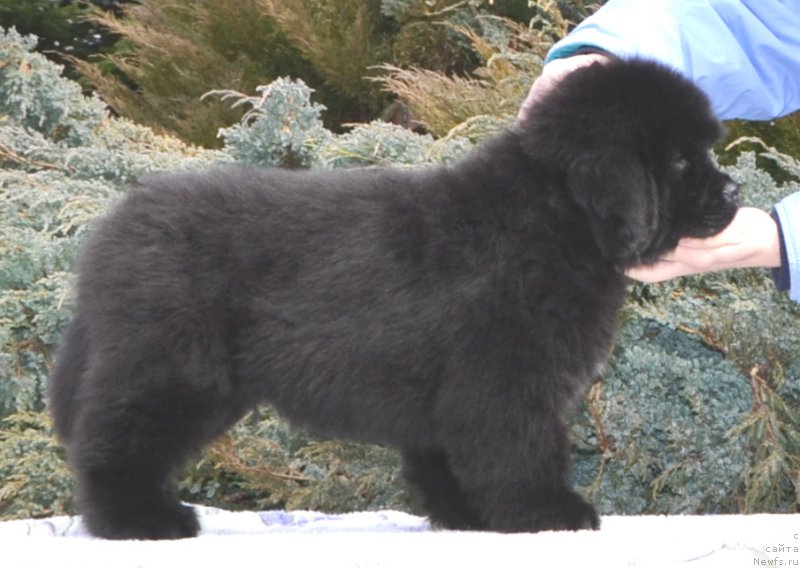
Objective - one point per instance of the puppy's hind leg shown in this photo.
(66, 377)
(130, 441)
(133, 502)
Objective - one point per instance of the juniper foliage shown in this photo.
(24, 96)
(36, 481)
(281, 128)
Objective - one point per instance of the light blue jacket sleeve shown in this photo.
(745, 54)
(788, 213)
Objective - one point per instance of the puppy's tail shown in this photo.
(66, 377)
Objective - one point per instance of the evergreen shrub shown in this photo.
(25, 96)
(36, 481)
(173, 52)
(280, 129)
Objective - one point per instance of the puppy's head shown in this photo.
(633, 139)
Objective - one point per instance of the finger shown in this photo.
(715, 242)
(659, 272)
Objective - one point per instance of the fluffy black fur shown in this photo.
(453, 312)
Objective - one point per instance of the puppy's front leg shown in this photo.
(512, 463)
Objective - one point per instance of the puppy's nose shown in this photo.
(731, 191)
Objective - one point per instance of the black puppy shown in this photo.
(454, 313)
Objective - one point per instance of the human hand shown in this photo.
(750, 240)
(552, 73)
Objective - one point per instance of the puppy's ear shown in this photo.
(620, 199)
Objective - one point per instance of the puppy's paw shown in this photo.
(457, 521)
(159, 523)
(570, 513)
(561, 511)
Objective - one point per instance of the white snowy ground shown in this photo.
(393, 539)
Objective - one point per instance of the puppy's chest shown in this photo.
(576, 323)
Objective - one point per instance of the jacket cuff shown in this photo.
(569, 50)
(781, 274)
(787, 212)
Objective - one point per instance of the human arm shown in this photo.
(742, 53)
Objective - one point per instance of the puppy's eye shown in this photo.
(680, 165)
